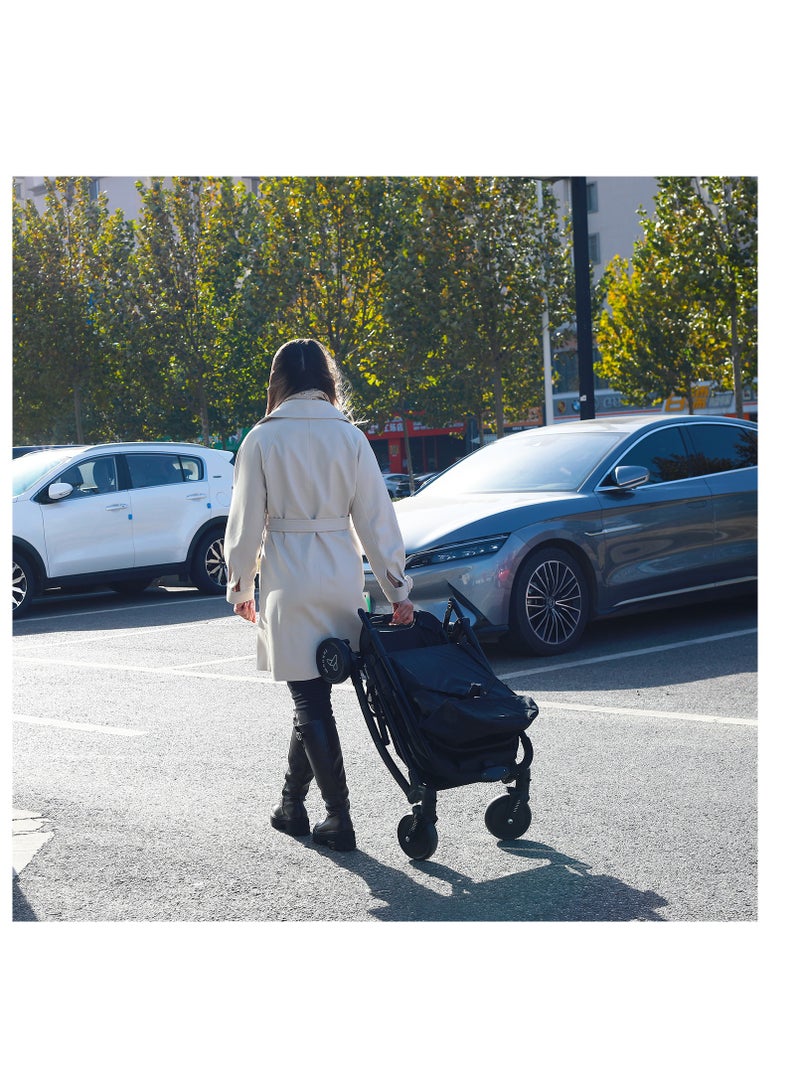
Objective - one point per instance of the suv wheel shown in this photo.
(24, 585)
(209, 571)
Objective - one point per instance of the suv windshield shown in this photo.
(532, 461)
(27, 469)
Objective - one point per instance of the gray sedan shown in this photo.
(547, 529)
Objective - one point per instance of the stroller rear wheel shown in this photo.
(333, 660)
(508, 817)
(418, 838)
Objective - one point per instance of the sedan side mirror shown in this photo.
(59, 489)
(627, 477)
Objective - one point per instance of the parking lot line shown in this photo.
(177, 601)
(644, 713)
(562, 665)
(123, 634)
(103, 729)
(181, 672)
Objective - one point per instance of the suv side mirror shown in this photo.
(59, 489)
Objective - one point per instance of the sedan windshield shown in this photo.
(530, 462)
(27, 469)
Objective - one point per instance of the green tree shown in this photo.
(728, 218)
(69, 264)
(327, 243)
(479, 259)
(685, 308)
(201, 322)
(648, 337)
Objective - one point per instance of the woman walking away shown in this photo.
(309, 497)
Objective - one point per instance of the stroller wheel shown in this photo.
(418, 840)
(507, 817)
(333, 660)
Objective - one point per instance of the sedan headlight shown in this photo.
(457, 551)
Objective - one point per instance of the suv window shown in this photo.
(663, 453)
(722, 447)
(89, 478)
(149, 470)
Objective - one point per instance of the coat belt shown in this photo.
(308, 526)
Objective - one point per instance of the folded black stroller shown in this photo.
(427, 691)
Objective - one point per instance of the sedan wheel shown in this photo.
(550, 604)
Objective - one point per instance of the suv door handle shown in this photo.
(116, 507)
(196, 496)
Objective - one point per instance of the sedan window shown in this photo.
(529, 461)
(663, 453)
(722, 447)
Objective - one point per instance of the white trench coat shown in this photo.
(309, 498)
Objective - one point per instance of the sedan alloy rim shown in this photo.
(553, 602)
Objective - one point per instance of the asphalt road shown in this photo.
(147, 752)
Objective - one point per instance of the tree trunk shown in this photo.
(497, 389)
(409, 463)
(78, 403)
(738, 396)
(204, 424)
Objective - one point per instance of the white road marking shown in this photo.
(27, 838)
(206, 662)
(109, 610)
(624, 655)
(113, 634)
(134, 668)
(654, 713)
(259, 677)
(103, 729)
(644, 713)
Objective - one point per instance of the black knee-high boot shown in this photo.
(324, 753)
(290, 815)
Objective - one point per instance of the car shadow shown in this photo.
(627, 646)
(552, 887)
(92, 610)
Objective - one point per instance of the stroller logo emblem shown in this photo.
(330, 661)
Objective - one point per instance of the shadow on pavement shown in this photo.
(555, 887)
(91, 611)
(20, 907)
(624, 637)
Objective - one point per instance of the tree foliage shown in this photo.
(429, 291)
(467, 284)
(70, 268)
(200, 308)
(685, 308)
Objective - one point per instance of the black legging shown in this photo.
(312, 700)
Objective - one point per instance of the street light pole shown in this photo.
(583, 297)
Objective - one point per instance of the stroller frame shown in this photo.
(391, 721)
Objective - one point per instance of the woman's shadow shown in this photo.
(554, 887)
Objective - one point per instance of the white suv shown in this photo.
(119, 514)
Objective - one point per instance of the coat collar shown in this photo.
(305, 409)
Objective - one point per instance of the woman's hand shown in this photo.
(402, 612)
(247, 610)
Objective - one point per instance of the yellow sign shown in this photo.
(676, 404)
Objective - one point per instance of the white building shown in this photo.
(613, 205)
